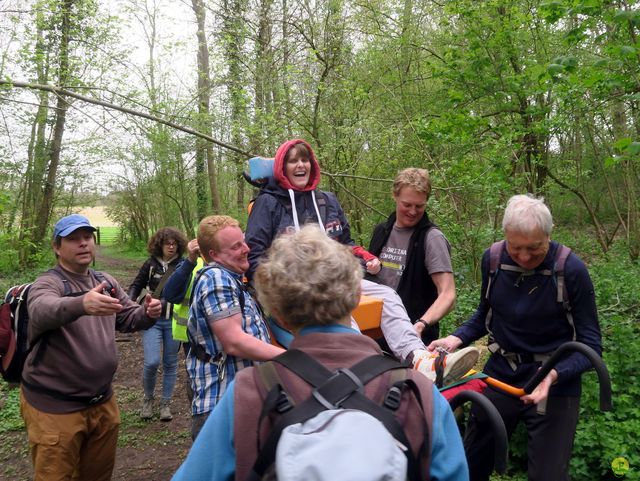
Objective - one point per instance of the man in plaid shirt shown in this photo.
(226, 330)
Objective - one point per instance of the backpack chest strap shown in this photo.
(516, 358)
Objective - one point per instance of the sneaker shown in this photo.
(165, 411)
(453, 366)
(147, 408)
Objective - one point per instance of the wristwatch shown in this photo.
(422, 321)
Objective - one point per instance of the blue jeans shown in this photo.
(156, 338)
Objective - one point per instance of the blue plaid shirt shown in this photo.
(217, 296)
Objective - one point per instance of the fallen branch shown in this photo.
(60, 91)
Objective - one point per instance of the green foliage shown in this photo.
(10, 419)
(9, 259)
(602, 437)
(11, 274)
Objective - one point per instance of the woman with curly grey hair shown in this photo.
(311, 283)
(166, 247)
(322, 280)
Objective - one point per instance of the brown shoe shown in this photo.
(165, 411)
(147, 408)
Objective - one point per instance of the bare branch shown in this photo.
(59, 91)
(357, 198)
(361, 177)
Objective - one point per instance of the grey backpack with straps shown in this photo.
(337, 433)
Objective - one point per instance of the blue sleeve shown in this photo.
(585, 318)
(475, 327)
(448, 460)
(345, 236)
(213, 456)
(177, 285)
(261, 229)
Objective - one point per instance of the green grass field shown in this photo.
(108, 235)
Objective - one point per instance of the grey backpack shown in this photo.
(337, 433)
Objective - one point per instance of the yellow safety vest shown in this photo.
(181, 311)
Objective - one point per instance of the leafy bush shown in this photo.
(602, 437)
(10, 419)
(9, 259)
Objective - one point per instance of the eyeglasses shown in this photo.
(171, 244)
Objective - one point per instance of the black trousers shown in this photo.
(549, 436)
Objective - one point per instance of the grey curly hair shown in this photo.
(308, 279)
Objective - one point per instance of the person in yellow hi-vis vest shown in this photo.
(177, 290)
(181, 311)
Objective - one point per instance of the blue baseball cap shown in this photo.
(71, 223)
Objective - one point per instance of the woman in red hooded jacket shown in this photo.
(291, 199)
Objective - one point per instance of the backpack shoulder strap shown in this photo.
(315, 373)
(163, 280)
(97, 275)
(562, 253)
(198, 350)
(321, 199)
(65, 282)
(197, 279)
(495, 252)
(342, 389)
(101, 278)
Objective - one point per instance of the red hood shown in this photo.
(278, 166)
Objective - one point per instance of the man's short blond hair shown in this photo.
(417, 179)
(309, 279)
(208, 230)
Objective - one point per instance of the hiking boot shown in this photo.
(147, 408)
(165, 411)
(451, 366)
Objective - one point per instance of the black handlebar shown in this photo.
(596, 361)
(501, 443)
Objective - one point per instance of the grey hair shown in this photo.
(526, 213)
(308, 279)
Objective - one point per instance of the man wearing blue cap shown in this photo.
(67, 400)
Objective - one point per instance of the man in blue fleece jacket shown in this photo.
(526, 323)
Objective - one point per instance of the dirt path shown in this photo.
(147, 451)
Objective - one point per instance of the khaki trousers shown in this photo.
(79, 445)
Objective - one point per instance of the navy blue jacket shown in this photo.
(526, 318)
(272, 214)
(177, 285)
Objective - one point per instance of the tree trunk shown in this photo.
(62, 105)
(236, 83)
(36, 154)
(264, 79)
(204, 150)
